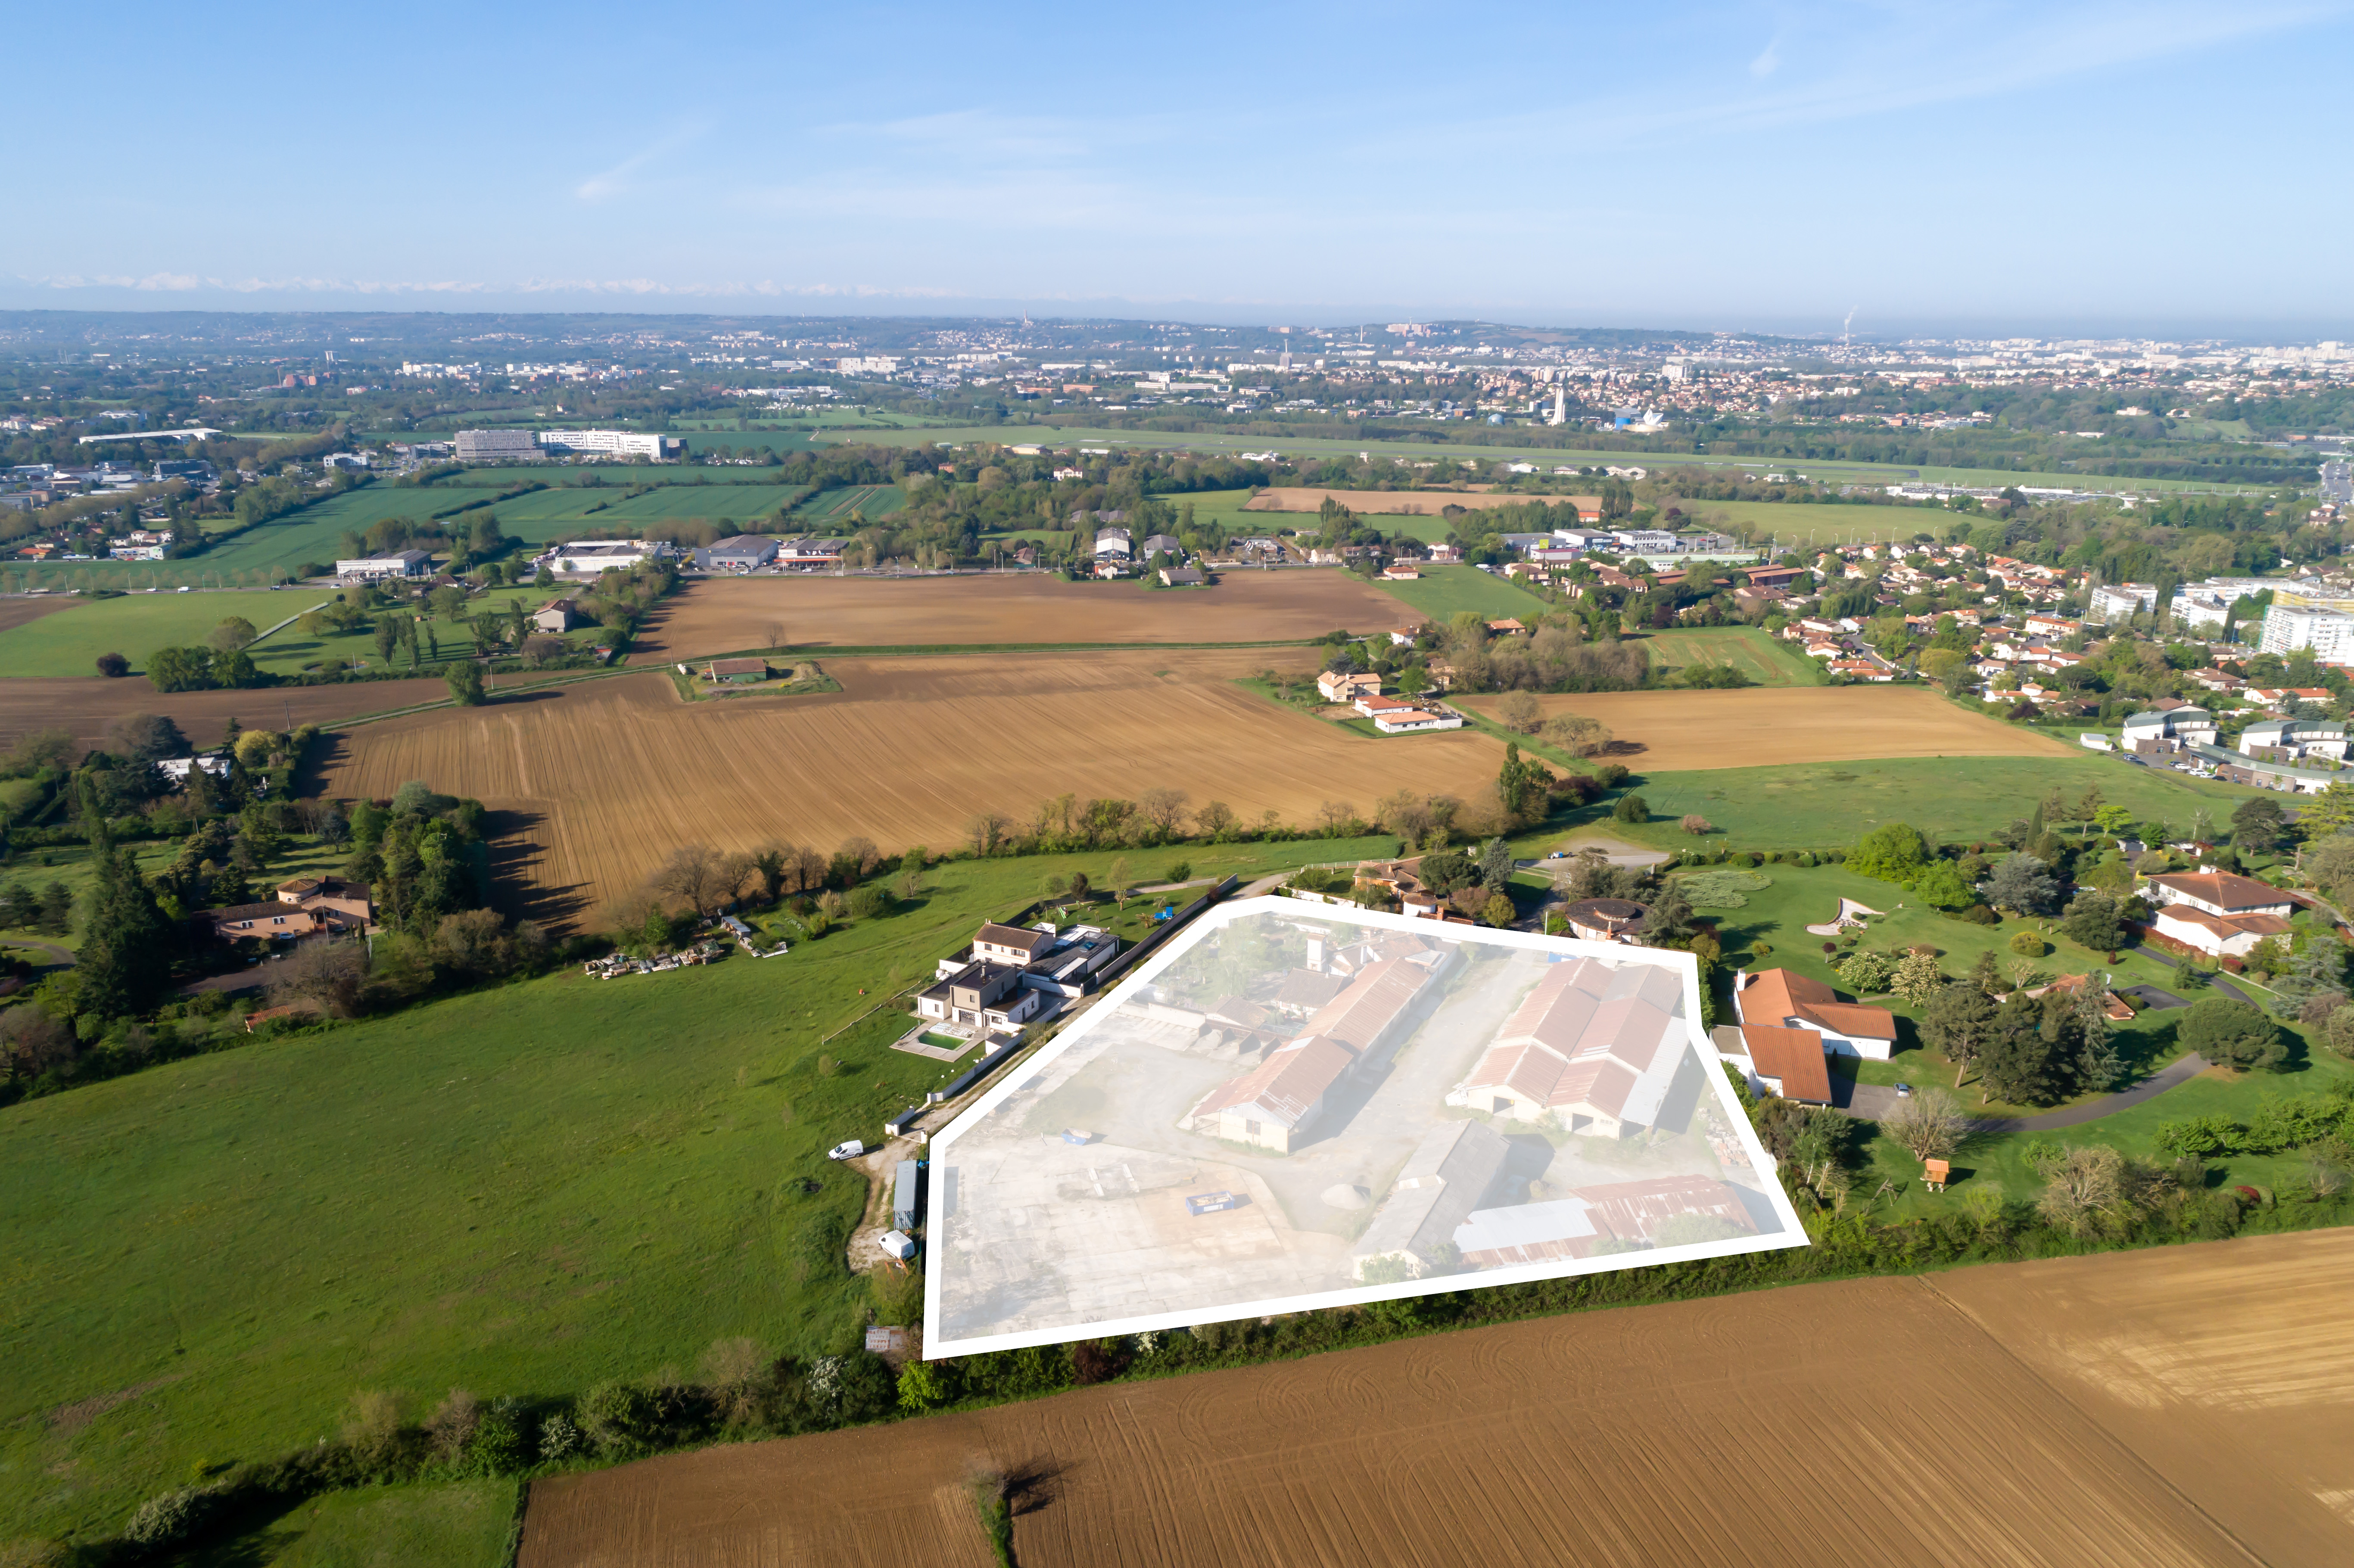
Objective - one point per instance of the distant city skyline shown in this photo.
(2085, 169)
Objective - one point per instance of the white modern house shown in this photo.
(2171, 730)
(2217, 913)
(2293, 740)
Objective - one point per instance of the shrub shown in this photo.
(113, 665)
(2028, 944)
(1611, 774)
(2232, 1034)
(1696, 825)
(1631, 809)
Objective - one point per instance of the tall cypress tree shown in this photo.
(125, 963)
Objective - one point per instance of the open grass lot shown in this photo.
(596, 782)
(1794, 524)
(1682, 731)
(1004, 609)
(1441, 592)
(1765, 660)
(1953, 797)
(2019, 1414)
(1298, 447)
(453, 1524)
(832, 508)
(291, 651)
(519, 1191)
(69, 642)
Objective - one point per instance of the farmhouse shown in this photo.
(1183, 576)
(343, 904)
(1408, 718)
(2217, 913)
(555, 615)
(1340, 686)
(381, 568)
(1450, 1173)
(1781, 999)
(1594, 1046)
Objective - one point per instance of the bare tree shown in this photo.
(693, 873)
(1336, 815)
(1929, 1126)
(452, 1426)
(2086, 1183)
(541, 647)
(737, 871)
(987, 830)
(1164, 809)
(1406, 813)
(810, 869)
(1215, 818)
(1521, 710)
(859, 854)
(32, 1041)
(1697, 824)
(327, 975)
(1578, 736)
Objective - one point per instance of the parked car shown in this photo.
(1211, 1202)
(850, 1150)
(1904, 1091)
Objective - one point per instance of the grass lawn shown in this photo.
(1794, 522)
(1765, 660)
(458, 1524)
(69, 642)
(292, 652)
(1828, 804)
(524, 1190)
(1442, 591)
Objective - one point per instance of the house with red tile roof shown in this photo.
(1790, 1063)
(2218, 913)
(1781, 999)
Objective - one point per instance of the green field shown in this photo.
(1765, 660)
(832, 508)
(1824, 804)
(1796, 524)
(522, 1191)
(1323, 447)
(1442, 591)
(69, 642)
(453, 1524)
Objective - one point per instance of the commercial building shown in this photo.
(590, 557)
(2324, 626)
(496, 446)
(381, 568)
(612, 444)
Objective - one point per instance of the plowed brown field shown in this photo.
(85, 706)
(605, 777)
(720, 615)
(1771, 726)
(1867, 1424)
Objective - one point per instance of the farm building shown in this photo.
(554, 616)
(736, 671)
(1183, 576)
(1785, 1000)
(1591, 1045)
(1572, 1227)
(1450, 1173)
(398, 564)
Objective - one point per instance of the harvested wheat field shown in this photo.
(87, 705)
(1401, 502)
(723, 615)
(1867, 1422)
(1767, 727)
(607, 777)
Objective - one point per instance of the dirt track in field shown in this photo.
(2186, 1405)
(722, 615)
(87, 705)
(599, 782)
(1400, 502)
(1773, 726)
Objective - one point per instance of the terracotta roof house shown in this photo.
(1790, 1063)
(341, 904)
(272, 922)
(1591, 1045)
(1781, 999)
(2218, 913)
(1605, 919)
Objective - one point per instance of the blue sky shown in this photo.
(2033, 168)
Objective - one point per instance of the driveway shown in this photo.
(2157, 1084)
(57, 957)
(2151, 998)
(2218, 981)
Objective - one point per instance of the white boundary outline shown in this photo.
(1217, 917)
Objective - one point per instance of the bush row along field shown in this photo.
(519, 1191)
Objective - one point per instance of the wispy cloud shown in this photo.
(1769, 60)
(613, 182)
